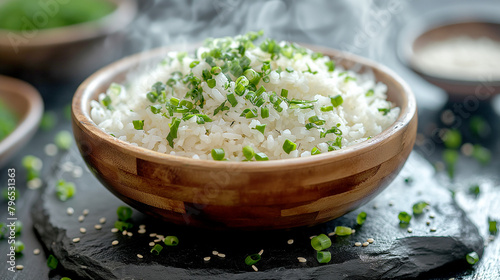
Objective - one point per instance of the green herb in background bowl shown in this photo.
(8, 120)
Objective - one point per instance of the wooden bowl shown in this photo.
(26, 103)
(66, 52)
(259, 195)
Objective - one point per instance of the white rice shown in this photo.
(358, 117)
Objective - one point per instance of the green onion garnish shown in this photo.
(248, 152)
(492, 226)
(284, 93)
(156, 109)
(321, 242)
(106, 101)
(261, 157)
(324, 256)
(289, 146)
(65, 190)
(385, 111)
(450, 157)
(326, 108)
(472, 258)
(156, 249)
(348, 79)
(32, 162)
(193, 64)
(264, 112)
(315, 151)
(138, 124)
(361, 218)
(336, 100)
(63, 140)
(52, 262)
(49, 120)
(261, 128)
(215, 70)
(404, 218)
(418, 208)
(18, 227)
(317, 120)
(343, 231)
(211, 83)
(475, 190)
(124, 213)
(452, 139)
(252, 259)
(152, 96)
(121, 226)
(252, 76)
(369, 93)
(481, 154)
(18, 246)
(232, 99)
(251, 113)
(174, 126)
(331, 65)
(260, 91)
(218, 154)
(171, 240)
(289, 69)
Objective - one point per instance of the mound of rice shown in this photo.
(281, 100)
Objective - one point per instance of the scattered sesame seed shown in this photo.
(50, 150)
(215, 253)
(365, 244)
(357, 244)
(151, 244)
(157, 240)
(115, 242)
(124, 232)
(433, 229)
(467, 149)
(114, 230)
(152, 234)
(451, 279)
(102, 220)
(159, 236)
(221, 255)
(206, 259)
(85, 212)
(428, 223)
(331, 233)
(81, 218)
(34, 184)
(261, 252)
(83, 230)
(410, 230)
(142, 226)
(370, 240)
(353, 231)
(76, 239)
(70, 211)
(301, 259)
(129, 234)
(140, 256)
(311, 237)
(36, 251)
(141, 231)
(97, 226)
(255, 268)
(290, 241)
(67, 166)
(19, 267)
(77, 172)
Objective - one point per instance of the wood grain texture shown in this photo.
(257, 195)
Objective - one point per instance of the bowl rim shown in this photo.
(81, 117)
(120, 17)
(28, 120)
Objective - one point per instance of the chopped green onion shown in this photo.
(261, 157)
(361, 218)
(65, 278)
(289, 69)
(138, 124)
(479, 127)
(252, 259)
(252, 113)
(174, 126)
(171, 240)
(156, 249)
(452, 139)
(106, 101)
(174, 101)
(336, 100)
(18, 246)
(65, 190)
(475, 190)
(63, 140)
(331, 65)
(156, 109)
(124, 213)
(181, 56)
(326, 108)
(49, 120)
(315, 151)
(385, 111)
(369, 93)
(194, 63)
(317, 120)
(158, 87)
(248, 152)
(152, 97)
(215, 70)
(481, 154)
(404, 218)
(450, 157)
(260, 91)
(222, 107)
(187, 104)
(264, 112)
(343, 231)
(32, 162)
(418, 208)
(289, 146)
(492, 226)
(284, 93)
(324, 256)
(18, 227)
(472, 258)
(211, 83)
(252, 76)
(52, 262)
(261, 128)
(121, 226)
(218, 154)
(316, 55)
(348, 79)
(321, 242)
(232, 99)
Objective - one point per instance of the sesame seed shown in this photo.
(36, 251)
(301, 259)
(114, 230)
(70, 211)
(140, 256)
(115, 242)
(124, 232)
(76, 239)
(83, 230)
(81, 218)
(206, 259)
(129, 234)
(142, 226)
(410, 230)
(102, 220)
(215, 253)
(50, 150)
(77, 172)
(311, 237)
(141, 231)
(290, 241)
(159, 236)
(151, 244)
(152, 234)
(67, 166)
(19, 267)
(353, 231)
(451, 279)
(34, 184)
(221, 255)
(370, 240)
(365, 244)
(157, 240)
(255, 268)
(331, 233)
(261, 252)
(433, 229)
(85, 212)
(357, 244)
(97, 226)
(467, 149)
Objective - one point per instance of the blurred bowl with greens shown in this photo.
(61, 38)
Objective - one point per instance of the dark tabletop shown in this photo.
(343, 25)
